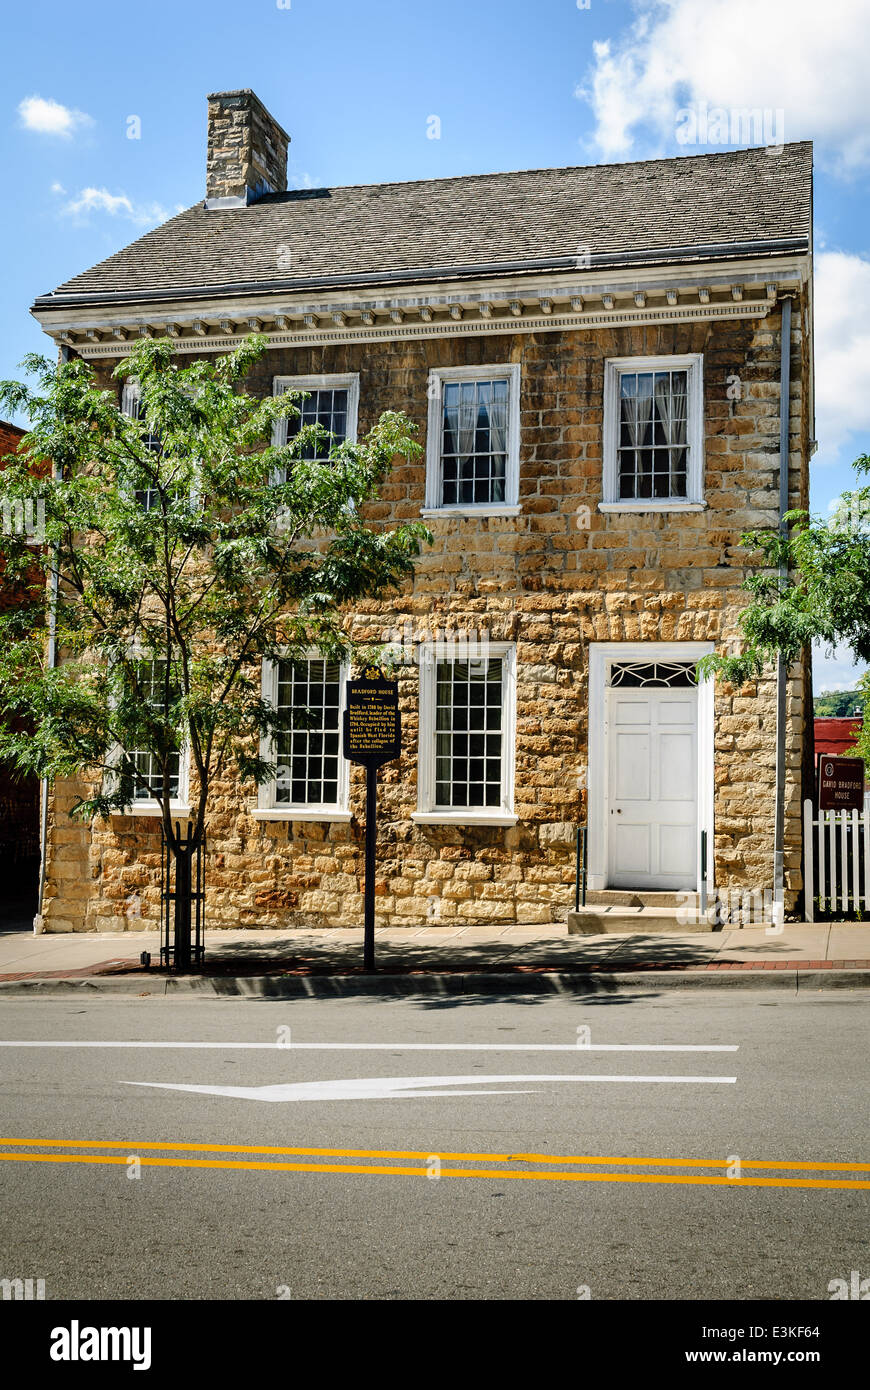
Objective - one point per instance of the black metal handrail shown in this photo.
(580, 869)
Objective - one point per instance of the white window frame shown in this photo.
(179, 805)
(427, 812)
(336, 381)
(439, 377)
(614, 369)
(267, 808)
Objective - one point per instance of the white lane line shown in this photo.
(408, 1087)
(293, 1046)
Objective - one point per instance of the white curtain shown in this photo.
(670, 398)
(467, 421)
(643, 407)
(498, 423)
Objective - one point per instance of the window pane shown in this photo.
(309, 751)
(326, 407)
(474, 442)
(151, 680)
(652, 445)
(468, 720)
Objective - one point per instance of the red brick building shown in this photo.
(836, 736)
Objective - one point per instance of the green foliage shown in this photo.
(838, 704)
(812, 584)
(862, 742)
(225, 567)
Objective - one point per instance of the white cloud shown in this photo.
(842, 347)
(93, 200)
(806, 59)
(48, 117)
(57, 187)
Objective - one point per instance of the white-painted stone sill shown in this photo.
(467, 818)
(652, 505)
(470, 512)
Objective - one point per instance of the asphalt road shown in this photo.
(367, 1222)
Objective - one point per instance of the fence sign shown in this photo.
(841, 784)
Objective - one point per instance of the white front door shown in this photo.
(652, 788)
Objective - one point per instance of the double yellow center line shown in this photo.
(529, 1167)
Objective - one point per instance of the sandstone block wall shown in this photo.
(547, 582)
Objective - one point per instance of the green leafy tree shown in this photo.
(183, 548)
(838, 704)
(812, 585)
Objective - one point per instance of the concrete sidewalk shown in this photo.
(443, 952)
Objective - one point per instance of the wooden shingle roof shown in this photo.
(652, 211)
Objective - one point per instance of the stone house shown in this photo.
(593, 357)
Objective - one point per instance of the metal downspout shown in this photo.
(781, 667)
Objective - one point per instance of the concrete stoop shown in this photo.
(616, 910)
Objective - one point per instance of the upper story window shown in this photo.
(331, 401)
(473, 440)
(312, 781)
(653, 433)
(131, 405)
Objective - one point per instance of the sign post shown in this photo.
(841, 783)
(372, 737)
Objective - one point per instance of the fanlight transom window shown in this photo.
(658, 674)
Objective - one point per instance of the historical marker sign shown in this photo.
(372, 737)
(372, 727)
(841, 784)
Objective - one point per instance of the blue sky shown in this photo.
(514, 84)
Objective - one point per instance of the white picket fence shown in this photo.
(836, 860)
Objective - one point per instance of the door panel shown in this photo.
(676, 764)
(632, 845)
(632, 779)
(652, 812)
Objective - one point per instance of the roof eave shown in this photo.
(721, 251)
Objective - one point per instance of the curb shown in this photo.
(552, 983)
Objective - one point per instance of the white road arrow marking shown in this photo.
(409, 1087)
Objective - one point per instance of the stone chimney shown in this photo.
(247, 151)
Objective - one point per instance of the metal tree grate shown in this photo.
(182, 892)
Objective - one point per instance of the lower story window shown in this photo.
(148, 769)
(467, 730)
(151, 681)
(308, 755)
(468, 737)
(311, 775)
